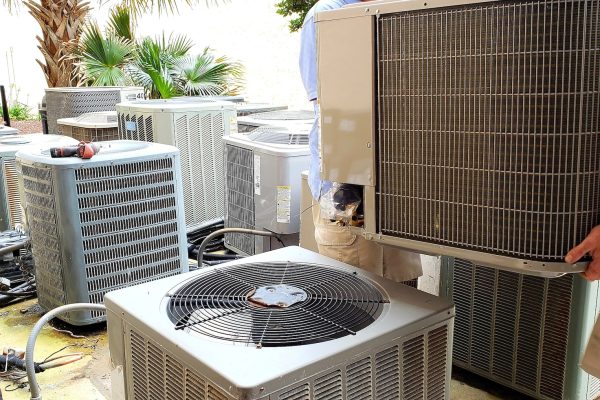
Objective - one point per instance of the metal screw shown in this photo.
(369, 145)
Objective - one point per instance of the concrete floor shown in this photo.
(89, 379)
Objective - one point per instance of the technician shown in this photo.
(334, 239)
(591, 246)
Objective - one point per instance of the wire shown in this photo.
(17, 294)
(207, 239)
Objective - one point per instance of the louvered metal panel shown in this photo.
(329, 387)
(13, 197)
(239, 171)
(488, 131)
(522, 331)
(360, 380)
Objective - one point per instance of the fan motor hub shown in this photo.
(281, 296)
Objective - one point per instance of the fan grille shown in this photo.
(216, 304)
(275, 135)
(285, 115)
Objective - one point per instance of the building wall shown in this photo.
(249, 31)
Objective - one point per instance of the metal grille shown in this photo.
(285, 115)
(298, 393)
(275, 135)
(224, 304)
(488, 131)
(43, 222)
(156, 374)
(11, 185)
(513, 328)
(593, 389)
(359, 377)
(143, 244)
(239, 193)
(70, 104)
(94, 134)
(133, 127)
(329, 387)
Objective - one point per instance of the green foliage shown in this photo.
(206, 75)
(296, 9)
(120, 23)
(20, 112)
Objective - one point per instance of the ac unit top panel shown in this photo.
(254, 108)
(279, 150)
(7, 130)
(92, 89)
(115, 151)
(94, 120)
(10, 145)
(408, 310)
(174, 105)
(380, 7)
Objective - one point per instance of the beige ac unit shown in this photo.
(472, 125)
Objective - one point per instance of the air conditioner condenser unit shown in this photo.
(263, 185)
(288, 324)
(102, 224)
(91, 127)
(197, 129)
(525, 332)
(248, 123)
(472, 125)
(69, 102)
(11, 210)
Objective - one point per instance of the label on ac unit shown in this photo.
(257, 174)
(130, 126)
(284, 199)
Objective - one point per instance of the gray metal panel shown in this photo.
(522, 331)
(488, 135)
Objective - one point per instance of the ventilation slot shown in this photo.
(413, 368)
(359, 380)
(11, 181)
(298, 393)
(240, 197)
(593, 390)
(329, 387)
(488, 113)
(437, 360)
(387, 374)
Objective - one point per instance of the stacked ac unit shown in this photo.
(91, 127)
(263, 185)
(105, 223)
(69, 102)
(7, 130)
(197, 129)
(11, 211)
(523, 331)
(275, 118)
(289, 324)
(473, 126)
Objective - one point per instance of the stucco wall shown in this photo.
(246, 30)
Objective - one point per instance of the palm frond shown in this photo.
(138, 7)
(120, 23)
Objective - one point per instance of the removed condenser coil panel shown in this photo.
(483, 117)
(523, 331)
(69, 102)
(91, 127)
(275, 118)
(196, 129)
(11, 210)
(289, 324)
(263, 184)
(105, 223)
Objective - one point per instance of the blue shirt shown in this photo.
(308, 71)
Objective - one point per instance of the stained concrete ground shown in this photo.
(89, 378)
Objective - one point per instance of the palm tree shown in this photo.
(62, 22)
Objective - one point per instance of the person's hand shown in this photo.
(591, 245)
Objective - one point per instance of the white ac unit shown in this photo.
(274, 118)
(68, 102)
(288, 324)
(7, 130)
(247, 108)
(11, 211)
(263, 185)
(102, 224)
(91, 127)
(197, 129)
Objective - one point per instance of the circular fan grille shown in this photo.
(285, 115)
(317, 303)
(275, 135)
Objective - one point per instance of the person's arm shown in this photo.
(591, 245)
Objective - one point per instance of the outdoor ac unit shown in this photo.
(244, 109)
(289, 324)
(69, 102)
(102, 224)
(11, 211)
(274, 118)
(263, 185)
(91, 127)
(522, 331)
(197, 129)
(7, 130)
(473, 126)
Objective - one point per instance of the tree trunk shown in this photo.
(62, 23)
